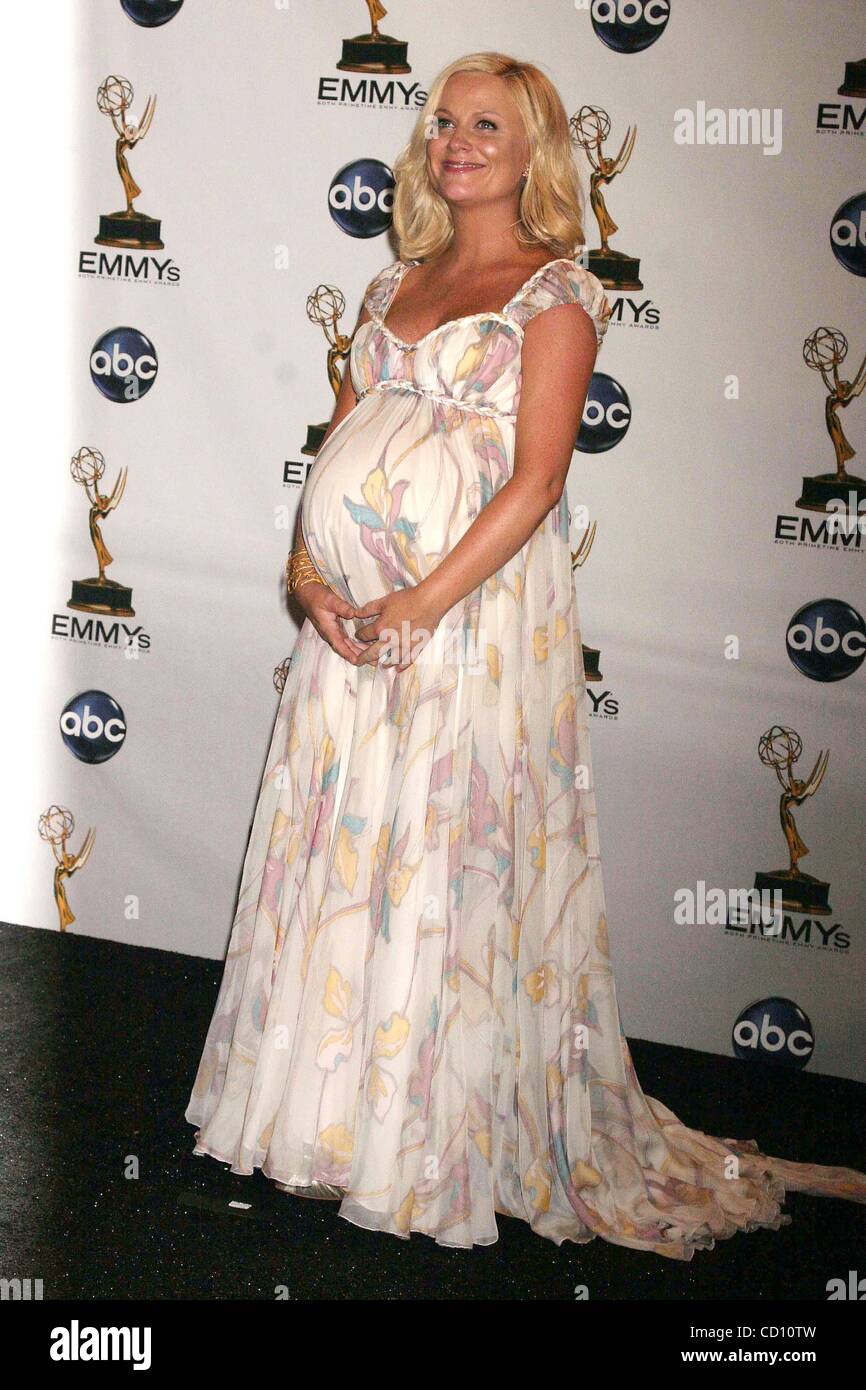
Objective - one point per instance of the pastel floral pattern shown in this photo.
(418, 1002)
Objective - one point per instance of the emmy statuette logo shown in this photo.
(281, 674)
(855, 80)
(591, 655)
(779, 748)
(590, 128)
(841, 492)
(325, 306)
(129, 227)
(55, 827)
(99, 594)
(374, 52)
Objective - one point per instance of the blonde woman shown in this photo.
(418, 1015)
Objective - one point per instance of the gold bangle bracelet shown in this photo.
(301, 570)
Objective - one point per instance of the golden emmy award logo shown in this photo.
(591, 655)
(99, 595)
(779, 748)
(325, 306)
(374, 52)
(281, 675)
(855, 80)
(823, 351)
(55, 826)
(590, 128)
(128, 227)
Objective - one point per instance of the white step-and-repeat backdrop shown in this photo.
(226, 165)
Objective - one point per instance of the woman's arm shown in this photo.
(559, 352)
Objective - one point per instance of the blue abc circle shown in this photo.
(606, 415)
(93, 726)
(150, 13)
(774, 1030)
(848, 234)
(123, 364)
(826, 639)
(629, 26)
(361, 198)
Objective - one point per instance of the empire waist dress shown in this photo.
(418, 1002)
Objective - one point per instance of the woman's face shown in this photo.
(479, 149)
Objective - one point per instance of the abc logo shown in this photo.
(123, 364)
(361, 197)
(776, 1030)
(93, 726)
(150, 13)
(606, 415)
(848, 234)
(826, 640)
(629, 26)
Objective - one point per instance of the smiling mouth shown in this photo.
(460, 166)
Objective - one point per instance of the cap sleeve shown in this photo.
(378, 293)
(562, 282)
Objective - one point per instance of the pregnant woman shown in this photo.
(418, 1015)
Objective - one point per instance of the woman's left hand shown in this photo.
(398, 626)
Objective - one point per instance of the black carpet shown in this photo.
(99, 1043)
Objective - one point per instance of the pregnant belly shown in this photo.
(391, 492)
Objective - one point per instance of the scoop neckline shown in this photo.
(403, 266)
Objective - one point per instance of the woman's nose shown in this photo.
(458, 139)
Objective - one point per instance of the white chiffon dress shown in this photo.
(418, 1004)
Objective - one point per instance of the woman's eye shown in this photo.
(442, 121)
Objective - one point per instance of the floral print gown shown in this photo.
(418, 1003)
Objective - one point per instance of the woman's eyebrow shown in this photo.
(485, 111)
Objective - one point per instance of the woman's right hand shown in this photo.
(325, 609)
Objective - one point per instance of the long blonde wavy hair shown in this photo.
(551, 200)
